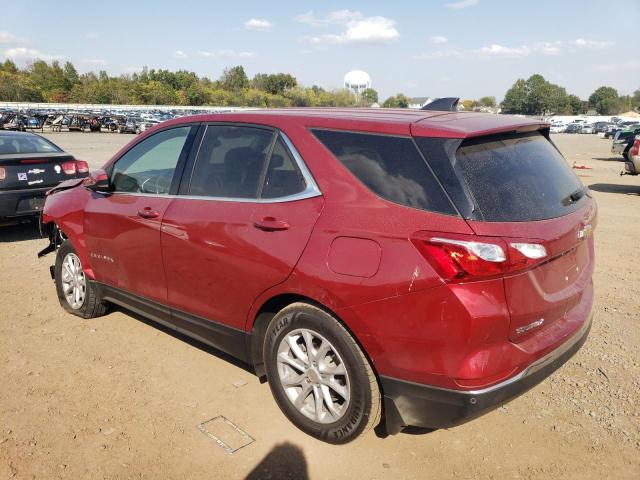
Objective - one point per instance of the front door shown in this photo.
(122, 228)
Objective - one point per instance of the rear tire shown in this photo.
(76, 293)
(319, 376)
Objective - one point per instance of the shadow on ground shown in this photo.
(617, 158)
(284, 461)
(179, 336)
(19, 232)
(615, 188)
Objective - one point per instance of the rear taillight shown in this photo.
(3, 173)
(636, 148)
(82, 166)
(459, 258)
(69, 168)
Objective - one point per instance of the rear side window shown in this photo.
(230, 162)
(517, 178)
(390, 167)
(283, 177)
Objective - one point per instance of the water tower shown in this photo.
(357, 81)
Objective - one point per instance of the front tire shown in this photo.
(319, 376)
(76, 294)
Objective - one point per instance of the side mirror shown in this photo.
(98, 181)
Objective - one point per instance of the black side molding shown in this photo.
(223, 337)
(444, 104)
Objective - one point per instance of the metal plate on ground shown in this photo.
(226, 434)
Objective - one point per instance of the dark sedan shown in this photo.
(29, 166)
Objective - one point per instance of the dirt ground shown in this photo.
(118, 397)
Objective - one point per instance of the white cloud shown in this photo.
(92, 36)
(438, 39)
(226, 54)
(462, 4)
(501, 51)
(364, 30)
(337, 17)
(6, 37)
(95, 61)
(549, 48)
(258, 24)
(180, 54)
(591, 44)
(446, 53)
(616, 67)
(23, 53)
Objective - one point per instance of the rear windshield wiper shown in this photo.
(575, 196)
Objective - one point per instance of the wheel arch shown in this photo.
(269, 308)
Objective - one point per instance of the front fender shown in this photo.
(65, 208)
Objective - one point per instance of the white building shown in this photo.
(357, 81)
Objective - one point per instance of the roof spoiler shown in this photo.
(445, 104)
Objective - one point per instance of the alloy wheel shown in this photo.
(313, 376)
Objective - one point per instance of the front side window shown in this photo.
(149, 166)
(230, 162)
(391, 167)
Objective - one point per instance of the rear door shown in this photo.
(240, 225)
(523, 191)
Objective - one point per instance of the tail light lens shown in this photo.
(636, 147)
(69, 168)
(461, 258)
(82, 166)
(3, 173)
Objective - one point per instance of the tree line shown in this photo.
(61, 83)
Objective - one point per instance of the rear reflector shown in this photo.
(459, 258)
(3, 173)
(69, 168)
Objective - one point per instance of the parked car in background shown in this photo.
(623, 141)
(29, 166)
(601, 127)
(360, 262)
(131, 125)
(632, 164)
(574, 128)
(588, 128)
(558, 127)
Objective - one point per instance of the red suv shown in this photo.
(400, 268)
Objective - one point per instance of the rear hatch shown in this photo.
(518, 187)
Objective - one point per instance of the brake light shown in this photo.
(460, 258)
(69, 168)
(3, 173)
(82, 166)
(636, 147)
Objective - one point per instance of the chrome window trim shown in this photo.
(312, 189)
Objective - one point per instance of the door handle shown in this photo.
(148, 212)
(270, 224)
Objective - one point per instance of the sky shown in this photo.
(465, 48)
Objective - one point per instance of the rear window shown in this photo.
(391, 167)
(11, 144)
(517, 178)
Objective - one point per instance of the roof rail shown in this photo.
(444, 104)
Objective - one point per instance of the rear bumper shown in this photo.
(412, 404)
(20, 203)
